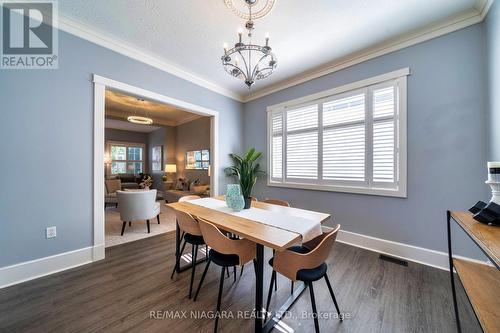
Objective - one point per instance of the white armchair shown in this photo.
(138, 205)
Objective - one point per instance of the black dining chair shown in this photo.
(306, 263)
(193, 236)
(224, 252)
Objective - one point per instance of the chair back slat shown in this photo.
(243, 248)
(288, 263)
(278, 202)
(189, 197)
(187, 223)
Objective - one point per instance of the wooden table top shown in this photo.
(275, 238)
(487, 237)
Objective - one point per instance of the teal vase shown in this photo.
(234, 199)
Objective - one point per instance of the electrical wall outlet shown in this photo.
(51, 232)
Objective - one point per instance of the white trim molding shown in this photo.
(79, 29)
(403, 251)
(457, 22)
(452, 24)
(29, 270)
(100, 85)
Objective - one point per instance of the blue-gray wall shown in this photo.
(492, 27)
(194, 135)
(164, 136)
(46, 140)
(46, 144)
(447, 135)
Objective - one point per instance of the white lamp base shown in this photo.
(495, 191)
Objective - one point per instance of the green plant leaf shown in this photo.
(245, 168)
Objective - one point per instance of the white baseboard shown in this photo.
(416, 254)
(29, 270)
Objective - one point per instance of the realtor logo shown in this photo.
(29, 36)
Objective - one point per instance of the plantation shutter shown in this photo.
(277, 145)
(302, 143)
(344, 139)
(384, 135)
(352, 141)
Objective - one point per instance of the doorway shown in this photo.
(103, 85)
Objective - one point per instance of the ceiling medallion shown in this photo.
(249, 62)
(259, 8)
(139, 119)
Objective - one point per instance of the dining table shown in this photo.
(272, 234)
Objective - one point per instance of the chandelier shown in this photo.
(139, 119)
(249, 62)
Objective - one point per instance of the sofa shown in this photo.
(129, 181)
(184, 187)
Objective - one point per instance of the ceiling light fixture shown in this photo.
(249, 62)
(139, 119)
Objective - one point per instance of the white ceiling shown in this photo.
(305, 35)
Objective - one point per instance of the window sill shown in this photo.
(397, 193)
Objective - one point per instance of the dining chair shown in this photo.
(306, 263)
(189, 197)
(191, 234)
(224, 252)
(278, 202)
(137, 206)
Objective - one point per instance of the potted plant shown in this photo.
(246, 169)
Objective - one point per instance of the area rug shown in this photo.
(138, 230)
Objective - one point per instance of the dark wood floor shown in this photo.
(117, 295)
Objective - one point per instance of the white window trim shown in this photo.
(401, 191)
(125, 144)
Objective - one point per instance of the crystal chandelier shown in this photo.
(249, 62)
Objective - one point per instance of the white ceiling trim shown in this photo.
(187, 120)
(86, 32)
(483, 6)
(455, 23)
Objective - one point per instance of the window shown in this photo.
(126, 157)
(198, 159)
(349, 139)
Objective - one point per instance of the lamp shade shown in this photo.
(170, 168)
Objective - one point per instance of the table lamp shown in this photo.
(170, 168)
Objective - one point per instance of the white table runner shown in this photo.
(307, 228)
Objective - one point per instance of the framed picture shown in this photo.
(198, 159)
(157, 158)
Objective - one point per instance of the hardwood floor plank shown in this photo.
(118, 294)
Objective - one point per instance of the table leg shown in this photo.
(452, 278)
(177, 244)
(259, 285)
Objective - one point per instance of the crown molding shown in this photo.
(76, 28)
(454, 23)
(483, 6)
(189, 119)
